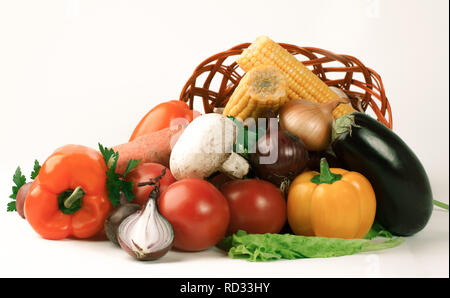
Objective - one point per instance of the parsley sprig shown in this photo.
(115, 182)
(247, 138)
(36, 169)
(20, 180)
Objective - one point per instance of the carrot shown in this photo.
(153, 147)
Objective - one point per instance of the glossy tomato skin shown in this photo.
(198, 212)
(162, 115)
(143, 173)
(256, 206)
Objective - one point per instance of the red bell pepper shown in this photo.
(69, 196)
(160, 117)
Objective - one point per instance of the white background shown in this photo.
(85, 72)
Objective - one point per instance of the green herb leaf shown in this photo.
(11, 206)
(115, 183)
(269, 247)
(19, 180)
(127, 189)
(131, 165)
(36, 169)
(246, 138)
(109, 156)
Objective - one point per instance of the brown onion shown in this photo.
(310, 121)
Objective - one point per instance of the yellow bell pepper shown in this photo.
(334, 203)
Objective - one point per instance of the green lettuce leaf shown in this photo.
(270, 247)
(377, 230)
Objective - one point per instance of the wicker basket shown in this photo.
(215, 79)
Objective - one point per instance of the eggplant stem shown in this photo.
(342, 125)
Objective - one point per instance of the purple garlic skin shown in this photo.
(146, 234)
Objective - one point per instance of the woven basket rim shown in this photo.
(369, 93)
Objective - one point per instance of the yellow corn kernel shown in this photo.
(302, 83)
(263, 87)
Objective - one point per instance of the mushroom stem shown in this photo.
(235, 166)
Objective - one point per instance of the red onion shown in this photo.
(280, 157)
(116, 217)
(146, 234)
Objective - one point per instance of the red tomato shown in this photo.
(160, 117)
(256, 206)
(143, 173)
(198, 212)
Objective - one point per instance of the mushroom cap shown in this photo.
(203, 146)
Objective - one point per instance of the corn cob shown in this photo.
(263, 87)
(302, 83)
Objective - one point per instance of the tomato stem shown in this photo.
(153, 181)
(154, 194)
(325, 176)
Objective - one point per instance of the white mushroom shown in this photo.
(205, 147)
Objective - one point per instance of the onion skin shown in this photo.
(116, 217)
(310, 121)
(20, 198)
(153, 223)
(149, 257)
(292, 158)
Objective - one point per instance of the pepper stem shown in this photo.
(325, 176)
(76, 195)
